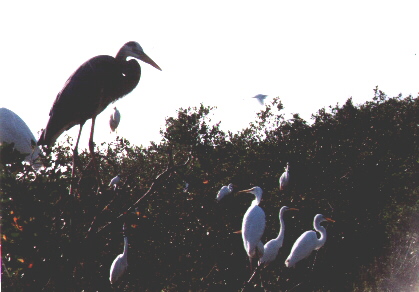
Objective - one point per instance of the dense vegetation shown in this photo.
(357, 164)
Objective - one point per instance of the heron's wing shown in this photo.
(81, 97)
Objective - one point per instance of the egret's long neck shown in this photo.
(281, 227)
(125, 246)
(257, 200)
(322, 232)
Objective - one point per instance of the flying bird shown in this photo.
(14, 130)
(308, 242)
(253, 226)
(285, 178)
(224, 191)
(114, 119)
(272, 247)
(120, 263)
(260, 98)
(90, 89)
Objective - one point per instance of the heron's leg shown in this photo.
(92, 151)
(75, 158)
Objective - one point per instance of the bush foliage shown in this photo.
(357, 164)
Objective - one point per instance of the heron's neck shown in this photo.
(125, 246)
(322, 232)
(281, 227)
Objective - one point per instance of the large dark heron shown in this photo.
(90, 89)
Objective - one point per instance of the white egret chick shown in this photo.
(308, 242)
(120, 263)
(253, 226)
(224, 191)
(285, 178)
(114, 119)
(260, 98)
(272, 247)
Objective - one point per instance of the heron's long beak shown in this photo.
(293, 209)
(143, 57)
(330, 220)
(244, 191)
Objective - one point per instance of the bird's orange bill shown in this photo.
(293, 209)
(330, 220)
(244, 191)
(143, 57)
(237, 232)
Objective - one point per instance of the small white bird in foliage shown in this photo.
(120, 263)
(272, 247)
(308, 242)
(285, 178)
(114, 119)
(14, 130)
(186, 188)
(253, 226)
(260, 98)
(115, 181)
(224, 191)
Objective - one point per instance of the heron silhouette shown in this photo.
(90, 89)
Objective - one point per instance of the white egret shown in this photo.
(115, 181)
(253, 226)
(225, 190)
(308, 242)
(114, 119)
(186, 188)
(272, 247)
(285, 178)
(120, 263)
(14, 130)
(260, 98)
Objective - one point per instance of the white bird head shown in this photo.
(257, 191)
(285, 208)
(319, 218)
(133, 49)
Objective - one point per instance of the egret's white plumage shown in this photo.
(114, 119)
(308, 242)
(284, 179)
(186, 188)
(253, 225)
(14, 130)
(272, 247)
(115, 181)
(120, 263)
(260, 98)
(225, 190)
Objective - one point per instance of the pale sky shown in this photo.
(311, 54)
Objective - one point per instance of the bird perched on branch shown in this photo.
(272, 247)
(284, 179)
(253, 226)
(224, 191)
(114, 119)
(308, 242)
(13, 130)
(120, 263)
(90, 89)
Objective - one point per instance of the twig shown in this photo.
(157, 182)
